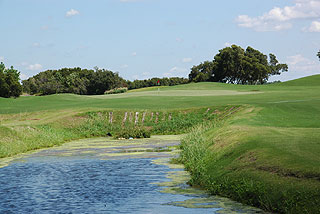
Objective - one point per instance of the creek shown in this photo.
(103, 175)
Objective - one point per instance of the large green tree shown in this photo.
(238, 66)
(9, 82)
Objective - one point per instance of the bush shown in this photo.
(133, 132)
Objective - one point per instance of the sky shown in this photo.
(155, 38)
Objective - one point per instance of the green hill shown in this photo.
(305, 81)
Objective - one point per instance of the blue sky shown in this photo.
(147, 38)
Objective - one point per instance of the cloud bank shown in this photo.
(281, 18)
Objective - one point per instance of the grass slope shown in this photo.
(269, 165)
(266, 155)
(313, 80)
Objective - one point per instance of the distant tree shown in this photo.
(238, 66)
(318, 54)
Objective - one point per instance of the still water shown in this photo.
(105, 176)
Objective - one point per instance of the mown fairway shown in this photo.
(272, 144)
(182, 96)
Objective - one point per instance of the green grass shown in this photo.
(175, 97)
(266, 153)
(305, 81)
(275, 168)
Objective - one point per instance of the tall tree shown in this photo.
(238, 66)
(318, 54)
(9, 82)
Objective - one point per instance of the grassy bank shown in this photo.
(256, 144)
(29, 131)
(272, 164)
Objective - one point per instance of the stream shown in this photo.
(103, 175)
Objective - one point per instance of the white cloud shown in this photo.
(176, 72)
(293, 60)
(300, 63)
(34, 67)
(314, 27)
(141, 76)
(134, 54)
(279, 18)
(72, 12)
(186, 60)
(299, 66)
(260, 24)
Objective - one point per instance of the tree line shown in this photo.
(73, 80)
(87, 82)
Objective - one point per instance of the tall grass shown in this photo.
(22, 138)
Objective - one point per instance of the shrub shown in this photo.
(133, 132)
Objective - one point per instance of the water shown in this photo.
(105, 176)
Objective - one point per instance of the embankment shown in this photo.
(20, 133)
(274, 168)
